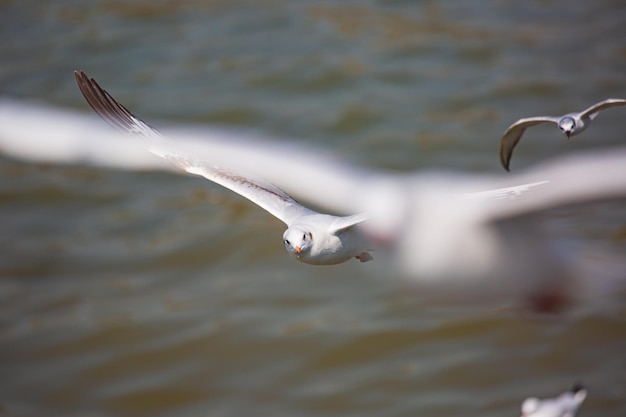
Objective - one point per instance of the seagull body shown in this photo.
(311, 237)
(565, 405)
(571, 124)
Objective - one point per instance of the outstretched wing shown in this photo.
(260, 192)
(514, 133)
(608, 103)
(568, 181)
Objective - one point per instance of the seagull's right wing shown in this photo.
(567, 181)
(110, 110)
(260, 192)
(514, 133)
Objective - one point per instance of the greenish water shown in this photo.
(125, 293)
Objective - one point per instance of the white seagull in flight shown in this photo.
(311, 237)
(570, 124)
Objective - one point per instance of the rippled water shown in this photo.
(125, 293)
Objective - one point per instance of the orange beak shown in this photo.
(297, 250)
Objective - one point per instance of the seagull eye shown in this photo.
(304, 236)
(287, 241)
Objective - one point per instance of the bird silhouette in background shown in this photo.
(570, 124)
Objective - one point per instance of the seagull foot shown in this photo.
(364, 257)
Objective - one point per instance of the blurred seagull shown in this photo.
(570, 124)
(480, 237)
(565, 405)
(311, 237)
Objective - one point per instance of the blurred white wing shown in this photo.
(435, 227)
(40, 133)
(571, 180)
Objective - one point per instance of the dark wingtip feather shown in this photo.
(104, 104)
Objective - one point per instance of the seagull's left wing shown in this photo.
(608, 103)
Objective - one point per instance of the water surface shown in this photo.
(125, 293)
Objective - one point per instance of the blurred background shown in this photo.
(142, 293)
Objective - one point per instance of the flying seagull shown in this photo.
(311, 237)
(570, 124)
(565, 405)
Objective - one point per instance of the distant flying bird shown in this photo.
(565, 405)
(311, 237)
(570, 124)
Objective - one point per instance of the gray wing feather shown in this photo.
(260, 192)
(514, 133)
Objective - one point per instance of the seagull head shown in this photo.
(298, 242)
(567, 124)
